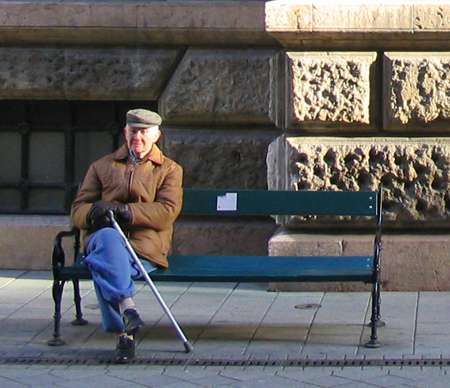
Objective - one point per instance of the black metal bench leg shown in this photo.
(78, 321)
(57, 291)
(378, 320)
(379, 323)
(374, 318)
(378, 304)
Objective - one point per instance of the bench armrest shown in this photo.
(58, 255)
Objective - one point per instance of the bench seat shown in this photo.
(254, 269)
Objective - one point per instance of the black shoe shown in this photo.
(125, 350)
(132, 321)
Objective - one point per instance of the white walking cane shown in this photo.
(187, 345)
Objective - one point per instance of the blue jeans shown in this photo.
(113, 271)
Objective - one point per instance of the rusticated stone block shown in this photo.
(32, 72)
(416, 88)
(54, 73)
(415, 173)
(222, 237)
(409, 262)
(242, 161)
(222, 86)
(329, 90)
(118, 73)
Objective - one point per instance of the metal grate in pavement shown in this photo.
(290, 362)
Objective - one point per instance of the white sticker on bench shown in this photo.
(227, 202)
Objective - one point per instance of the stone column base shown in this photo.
(410, 262)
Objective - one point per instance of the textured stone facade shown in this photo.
(54, 73)
(415, 173)
(329, 90)
(230, 76)
(222, 86)
(221, 158)
(417, 91)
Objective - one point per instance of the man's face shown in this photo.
(141, 140)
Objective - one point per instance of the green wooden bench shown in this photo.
(241, 203)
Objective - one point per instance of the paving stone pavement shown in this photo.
(97, 376)
(243, 336)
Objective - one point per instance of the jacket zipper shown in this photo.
(130, 179)
(130, 182)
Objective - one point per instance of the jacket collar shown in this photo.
(155, 155)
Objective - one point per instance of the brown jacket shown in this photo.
(153, 190)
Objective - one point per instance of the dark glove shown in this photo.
(98, 215)
(123, 214)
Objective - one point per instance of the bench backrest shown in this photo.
(263, 202)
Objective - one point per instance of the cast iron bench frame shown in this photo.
(251, 268)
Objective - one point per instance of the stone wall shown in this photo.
(338, 95)
(349, 96)
(414, 174)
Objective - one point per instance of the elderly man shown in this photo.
(143, 188)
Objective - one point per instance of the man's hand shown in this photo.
(123, 214)
(98, 216)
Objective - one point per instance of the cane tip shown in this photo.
(188, 347)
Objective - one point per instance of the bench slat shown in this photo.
(263, 202)
(256, 269)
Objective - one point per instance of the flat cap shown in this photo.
(143, 118)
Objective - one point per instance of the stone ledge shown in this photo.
(27, 241)
(135, 22)
(150, 14)
(364, 25)
(409, 16)
(410, 262)
(290, 23)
